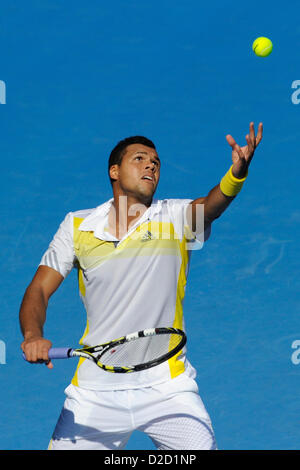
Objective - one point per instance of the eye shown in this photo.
(138, 157)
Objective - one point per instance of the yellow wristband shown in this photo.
(230, 185)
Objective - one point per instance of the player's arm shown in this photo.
(221, 196)
(33, 313)
(54, 267)
(214, 203)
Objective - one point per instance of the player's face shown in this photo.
(138, 174)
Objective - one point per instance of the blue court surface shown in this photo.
(77, 78)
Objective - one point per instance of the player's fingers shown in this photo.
(239, 151)
(43, 354)
(251, 140)
(230, 140)
(259, 133)
(43, 351)
(235, 146)
(251, 144)
(36, 352)
(30, 351)
(252, 132)
(49, 364)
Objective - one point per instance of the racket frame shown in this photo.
(88, 351)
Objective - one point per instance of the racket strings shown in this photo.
(140, 350)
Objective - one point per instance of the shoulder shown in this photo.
(82, 213)
(93, 213)
(74, 218)
(173, 203)
(175, 206)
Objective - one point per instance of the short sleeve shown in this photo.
(60, 254)
(177, 210)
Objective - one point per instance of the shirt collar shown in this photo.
(97, 219)
(90, 223)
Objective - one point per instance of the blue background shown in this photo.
(80, 77)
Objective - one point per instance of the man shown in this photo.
(132, 254)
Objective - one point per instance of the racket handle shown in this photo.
(57, 353)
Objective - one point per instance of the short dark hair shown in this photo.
(119, 151)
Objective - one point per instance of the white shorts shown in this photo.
(172, 414)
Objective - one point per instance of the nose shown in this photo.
(150, 165)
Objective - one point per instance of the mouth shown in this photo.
(148, 179)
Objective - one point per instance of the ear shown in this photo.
(114, 172)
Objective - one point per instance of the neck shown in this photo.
(124, 212)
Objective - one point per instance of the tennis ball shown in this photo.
(262, 46)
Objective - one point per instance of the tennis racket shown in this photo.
(131, 353)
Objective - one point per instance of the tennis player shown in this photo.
(132, 254)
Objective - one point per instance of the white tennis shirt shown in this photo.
(127, 285)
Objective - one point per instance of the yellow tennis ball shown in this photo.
(262, 46)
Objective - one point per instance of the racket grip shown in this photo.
(57, 353)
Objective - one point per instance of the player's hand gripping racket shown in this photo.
(131, 353)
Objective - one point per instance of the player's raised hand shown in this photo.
(242, 156)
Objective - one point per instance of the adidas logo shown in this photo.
(147, 236)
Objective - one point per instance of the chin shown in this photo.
(146, 197)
